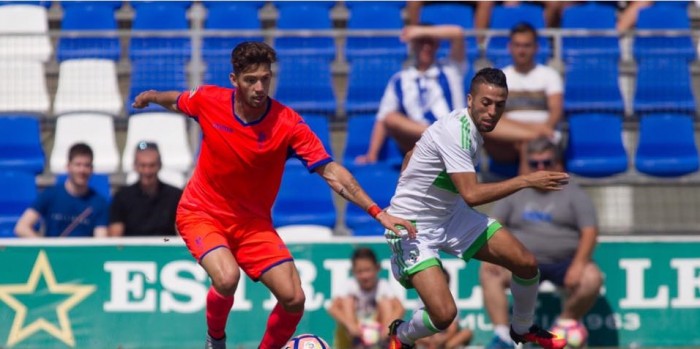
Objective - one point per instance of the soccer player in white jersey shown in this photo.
(437, 189)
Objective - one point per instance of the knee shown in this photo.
(293, 302)
(526, 265)
(444, 316)
(226, 282)
(593, 278)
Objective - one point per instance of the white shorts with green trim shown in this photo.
(461, 235)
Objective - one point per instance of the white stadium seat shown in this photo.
(96, 130)
(168, 130)
(175, 178)
(23, 87)
(304, 233)
(88, 85)
(22, 20)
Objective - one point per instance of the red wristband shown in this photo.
(374, 210)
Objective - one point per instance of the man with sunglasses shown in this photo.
(148, 206)
(560, 229)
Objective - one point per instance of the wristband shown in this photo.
(374, 210)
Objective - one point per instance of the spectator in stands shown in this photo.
(366, 305)
(70, 209)
(560, 229)
(535, 99)
(628, 14)
(147, 207)
(482, 12)
(452, 337)
(418, 95)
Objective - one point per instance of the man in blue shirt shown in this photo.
(70, 209)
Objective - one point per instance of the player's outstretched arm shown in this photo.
(167, 99)
(343, 182)
(475, 193)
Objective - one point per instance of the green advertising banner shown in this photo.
(150, 293)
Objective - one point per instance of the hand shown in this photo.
(366, 159)
(573, 275)
(390, 222)
(143, 99)
(546, 180)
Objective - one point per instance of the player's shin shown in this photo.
(524, 293)
(218, 309)
(281, 325)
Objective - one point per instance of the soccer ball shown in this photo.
(370, 332)
(575, 334)
(306, 341)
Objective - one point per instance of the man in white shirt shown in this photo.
(436, 191)
(418, 95)
(535, 98)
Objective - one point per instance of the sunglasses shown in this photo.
(143, 145)
(537, 163)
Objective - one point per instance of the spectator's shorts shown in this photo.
(555, 272)
(254, 243)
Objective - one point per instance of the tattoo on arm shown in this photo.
(349, 191)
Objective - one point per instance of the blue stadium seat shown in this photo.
(666, 146)
(17, 192)
(377, 16)
(89, 16)
(380, 183)
(591, 85)
(503, 169)
(215, 4)
(306, 15)
(595, 146)
(305, 84)
(304, 198)
(114, 5)
(663, 85)
(367, 80)
(20, 144)
(158, 74)
(159, 16)
(359, 130)
(658, 17)
(99, 182)
(505, 17)
(591, 16)
(325, 4)
(217, 50)
(137, 4)
(455, 14)
(357, 4)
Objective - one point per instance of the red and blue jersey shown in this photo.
(240, 165)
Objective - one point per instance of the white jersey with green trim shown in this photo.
(425, 192)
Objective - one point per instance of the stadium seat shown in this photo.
(95, 130)
(168, 130)
(99, 182)
(367, 80)
(304, 198)
(591, 85)
(25, 19)
(305, 84)
(23, 87)
(455, 14)
(20, 145)
(657, 17)
(380, 182)
(175, 178)
(304, 233)
(595, 146)
(217, 49)
(159, 16)
(504, 18)
(114, 5)
(375, 16)
(667, 146)
(590, 16)
(17, 192)
(92, 17)
(359, 4)
(183, 4)
(210, 5)
(157, 74)
(503, 169)
(88, 85)
(46, 4)
(305, 15)
(359, 130)
(663, 85)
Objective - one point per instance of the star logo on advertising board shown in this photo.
(75, 294)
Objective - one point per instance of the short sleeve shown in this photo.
(384, 290)
(307, 147)
(42, 202)
(555, 85)
(584, 209)
(390, 101)
(188, 101)
(351, 288)
(117, 210)
(454, 145)
(101, 212)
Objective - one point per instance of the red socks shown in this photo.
(218, 308)
(280, 328)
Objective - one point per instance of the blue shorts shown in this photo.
(554, 272)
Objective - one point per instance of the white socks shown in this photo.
(524, 293)
(418, 327)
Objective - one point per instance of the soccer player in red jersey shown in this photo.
(224, 214)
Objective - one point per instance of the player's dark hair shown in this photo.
(523, 27)
(78, 149)
(543, 144)
(251, 54)
(491, 76)
(364, 253)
